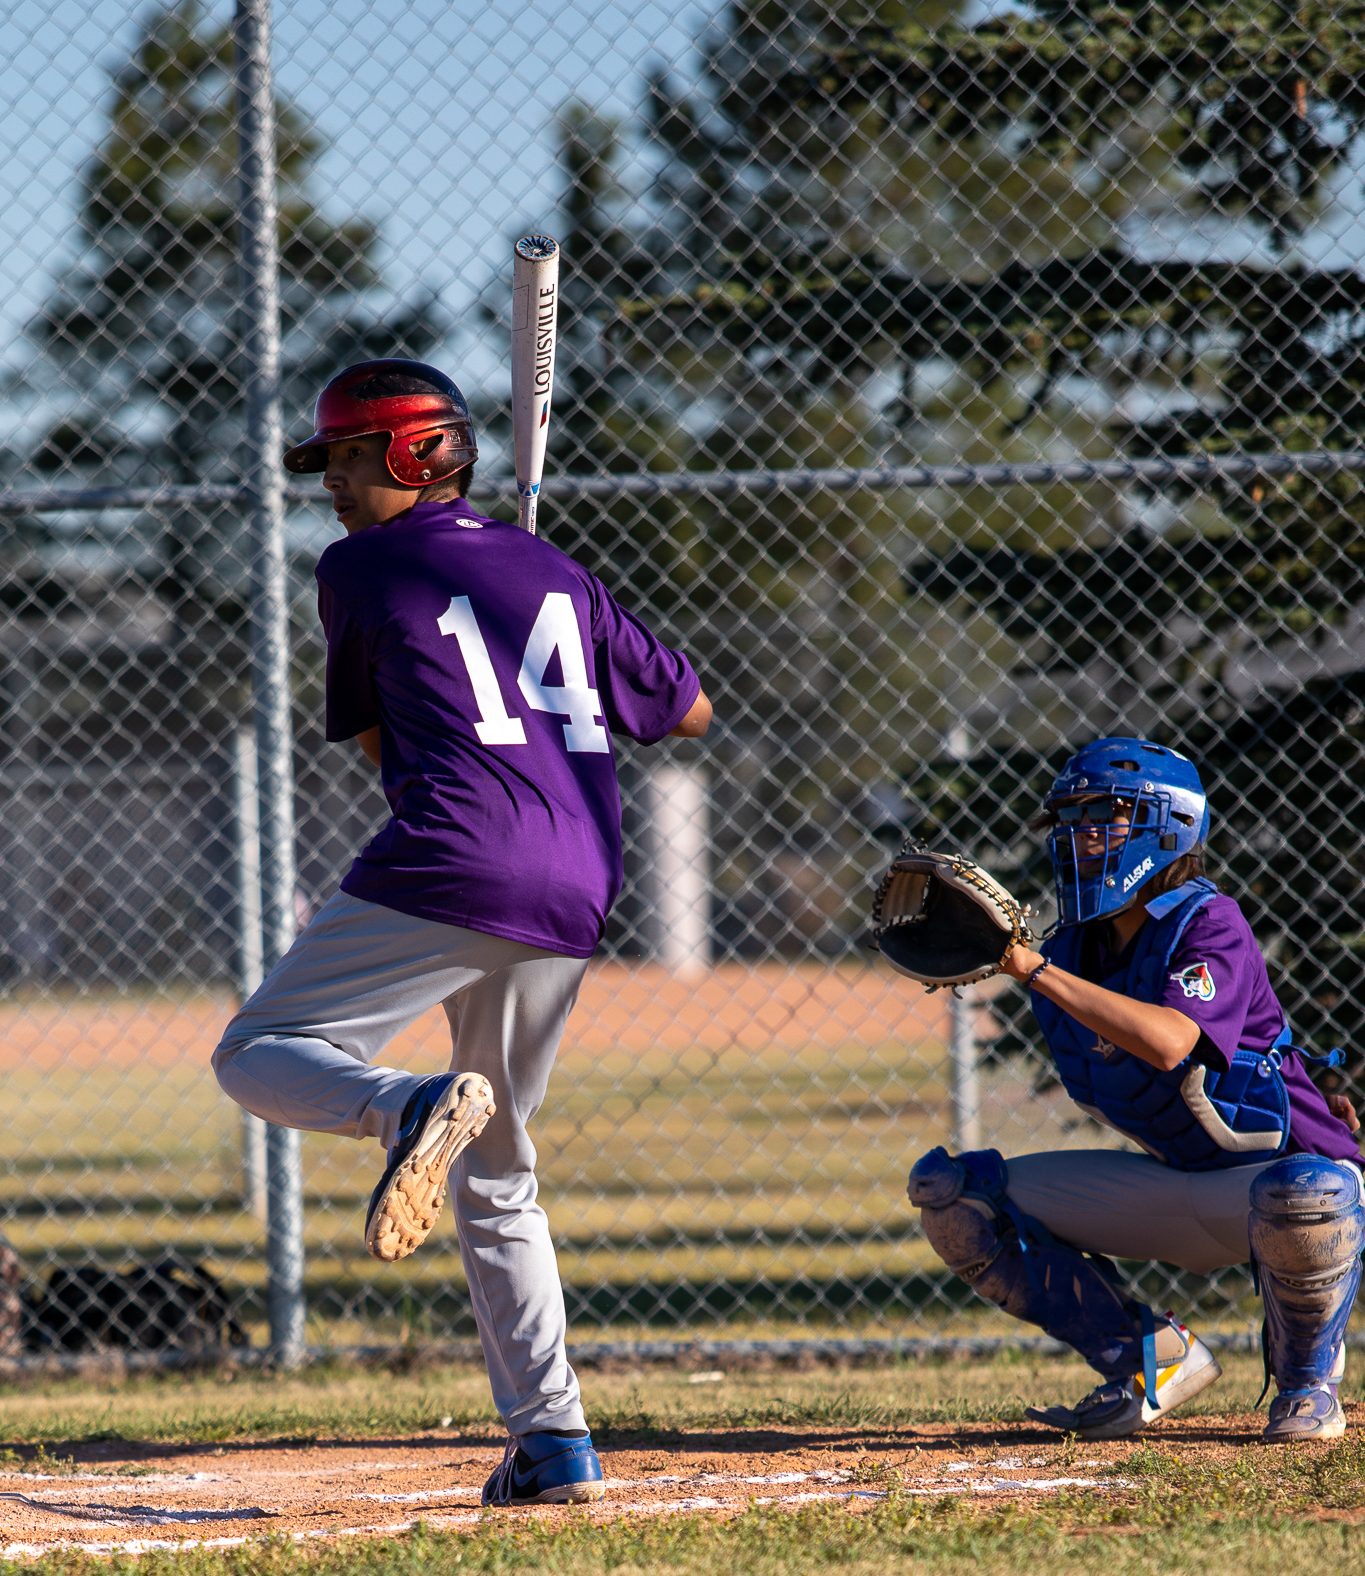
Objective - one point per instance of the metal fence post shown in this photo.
(966, 1091)
(259, 247)
(247, 836)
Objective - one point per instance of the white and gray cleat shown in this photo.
(1120, 1408)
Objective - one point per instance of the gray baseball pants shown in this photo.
(299, 1054)
(1129, 1206)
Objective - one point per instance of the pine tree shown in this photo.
(762, 198)
(138, 347)
(790, 599)
(1203, 616)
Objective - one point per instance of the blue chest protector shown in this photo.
(1190, 1117)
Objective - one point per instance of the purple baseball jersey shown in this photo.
(497, 670)
(1217, 977)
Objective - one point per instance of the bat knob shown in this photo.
(537, 248)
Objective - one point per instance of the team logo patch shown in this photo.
(1196, 981)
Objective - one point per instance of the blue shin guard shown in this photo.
(1015, 1262)
(1307, 1230)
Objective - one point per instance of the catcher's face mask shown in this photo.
(1120, 811)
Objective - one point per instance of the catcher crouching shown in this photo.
(1153, 998)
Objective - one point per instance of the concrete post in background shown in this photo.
(681, 852)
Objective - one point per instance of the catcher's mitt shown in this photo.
(943, 921)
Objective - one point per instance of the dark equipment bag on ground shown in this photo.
(173, 1304)
(12, 1317)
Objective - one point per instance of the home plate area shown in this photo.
(123, 1498)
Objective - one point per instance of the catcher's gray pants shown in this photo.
(1129, 1206)
(299, 1053)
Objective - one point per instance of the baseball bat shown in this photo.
(535, 317)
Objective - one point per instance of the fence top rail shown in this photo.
(1193, 470)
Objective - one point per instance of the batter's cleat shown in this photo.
(446, 1112)
(546, 1469)
(1120, 1408)
(1305, 1414)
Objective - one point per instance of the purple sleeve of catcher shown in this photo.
(1218, 979)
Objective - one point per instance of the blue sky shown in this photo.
(439, 121)
(439, 116)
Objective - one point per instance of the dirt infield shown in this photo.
(629, 1008)
(125, 1498)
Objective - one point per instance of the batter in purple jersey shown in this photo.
(1154, 1002)
(485, 675)
(491, 664)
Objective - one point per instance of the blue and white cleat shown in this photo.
(1120, 1408)
(446, 1112)
(1314, 1413)
(546, 1469)
(1305, 1414)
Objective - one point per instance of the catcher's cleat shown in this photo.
(1305, 1414)
(1311, 1413)
(1120, 1408)
(546, 1469)
(446, 1112)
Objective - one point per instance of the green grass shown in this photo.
(336, 1400)
(1167, 1507)
(339, 1399)
(899, 1535)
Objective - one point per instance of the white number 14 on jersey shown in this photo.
(555, 630)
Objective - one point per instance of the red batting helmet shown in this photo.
(409, 401)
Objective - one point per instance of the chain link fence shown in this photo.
(952, 382)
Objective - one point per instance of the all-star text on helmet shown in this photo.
(419, 409)
(1120, 811)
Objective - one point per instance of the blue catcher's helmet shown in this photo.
(1100, 863)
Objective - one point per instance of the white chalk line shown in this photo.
(607, 1512)
(133, 1483)
(149, 1516)
(179, 1479)
(140, 1485)
(471, 1518)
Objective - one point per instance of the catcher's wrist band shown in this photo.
(1045, 964)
